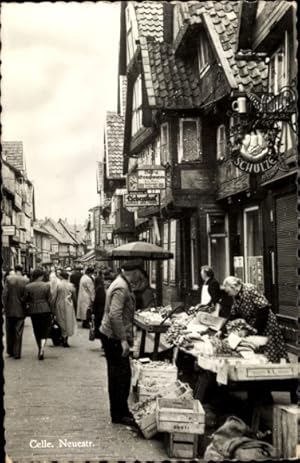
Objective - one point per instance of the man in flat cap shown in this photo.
(116, 333)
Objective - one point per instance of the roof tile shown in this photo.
(114, 144)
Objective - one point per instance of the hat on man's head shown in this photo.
(133, 264)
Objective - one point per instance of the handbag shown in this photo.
(92, 332)
(55, 333)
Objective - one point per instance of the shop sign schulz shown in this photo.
(256, 133)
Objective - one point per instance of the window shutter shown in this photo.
(286, 226)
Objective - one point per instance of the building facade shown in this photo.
(195, 74)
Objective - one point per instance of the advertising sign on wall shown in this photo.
(141, 199)
(151, 178)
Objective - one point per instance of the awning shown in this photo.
(94, 255)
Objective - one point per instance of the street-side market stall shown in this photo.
(229, 350)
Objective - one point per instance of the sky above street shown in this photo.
(59, 77)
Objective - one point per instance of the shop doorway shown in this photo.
(218, 246)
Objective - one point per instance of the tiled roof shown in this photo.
(66, 237)
(69, 231)
(150, 19)
(174, 84)
(114, 144)
(53, 232)
(12, 151)
(224, 16)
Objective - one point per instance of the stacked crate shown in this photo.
(183, 420)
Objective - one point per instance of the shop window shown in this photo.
(203, 55)
(172, 248)
(189, 140)
(253, 247)
(221, 142)
(137, 105)
(164, 144)
(195, 268)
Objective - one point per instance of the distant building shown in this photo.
(18, 211)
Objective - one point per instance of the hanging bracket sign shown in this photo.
(140, 199)
(151, 178)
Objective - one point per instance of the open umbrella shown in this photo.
(141, 249)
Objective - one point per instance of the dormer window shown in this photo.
(137, 106)
(203, 55)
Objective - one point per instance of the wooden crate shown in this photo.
(286, 430)
(182, 445)
(180, 415)
(265, 372)
(168, 390)
(161, 374)
(148, 425)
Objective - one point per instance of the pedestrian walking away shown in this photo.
(86, 296)
(39, 299)
(99, 303)
(64, 307)
(117, 337)
(75, 278)
(14, 308)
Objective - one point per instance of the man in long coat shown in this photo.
(14, 307)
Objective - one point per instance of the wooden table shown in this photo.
(146, 328)
(245, 376)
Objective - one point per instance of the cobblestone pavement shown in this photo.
(62, 401)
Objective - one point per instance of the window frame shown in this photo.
(199, 139)
(164, 159)
(137, 106)
(203, 55)
(221, 155)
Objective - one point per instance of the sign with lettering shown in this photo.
(107, 228)
(151, 178)
(8, 230)
(141, 199)
(258, 125)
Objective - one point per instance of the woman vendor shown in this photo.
(210, 293)
(252, 306)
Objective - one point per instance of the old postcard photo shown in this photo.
(149, 231)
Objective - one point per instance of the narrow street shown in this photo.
(62, 401)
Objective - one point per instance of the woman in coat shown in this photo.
(86, 296)
(64, 307)
(37, 295)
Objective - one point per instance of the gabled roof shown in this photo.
(12, 151)
(150, 19)
(66, 236)
(170, 83)
(114, 140)
(69, 231)
(224, 18)
(52, 232)
(38, 229)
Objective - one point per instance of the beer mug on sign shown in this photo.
(240, 105)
